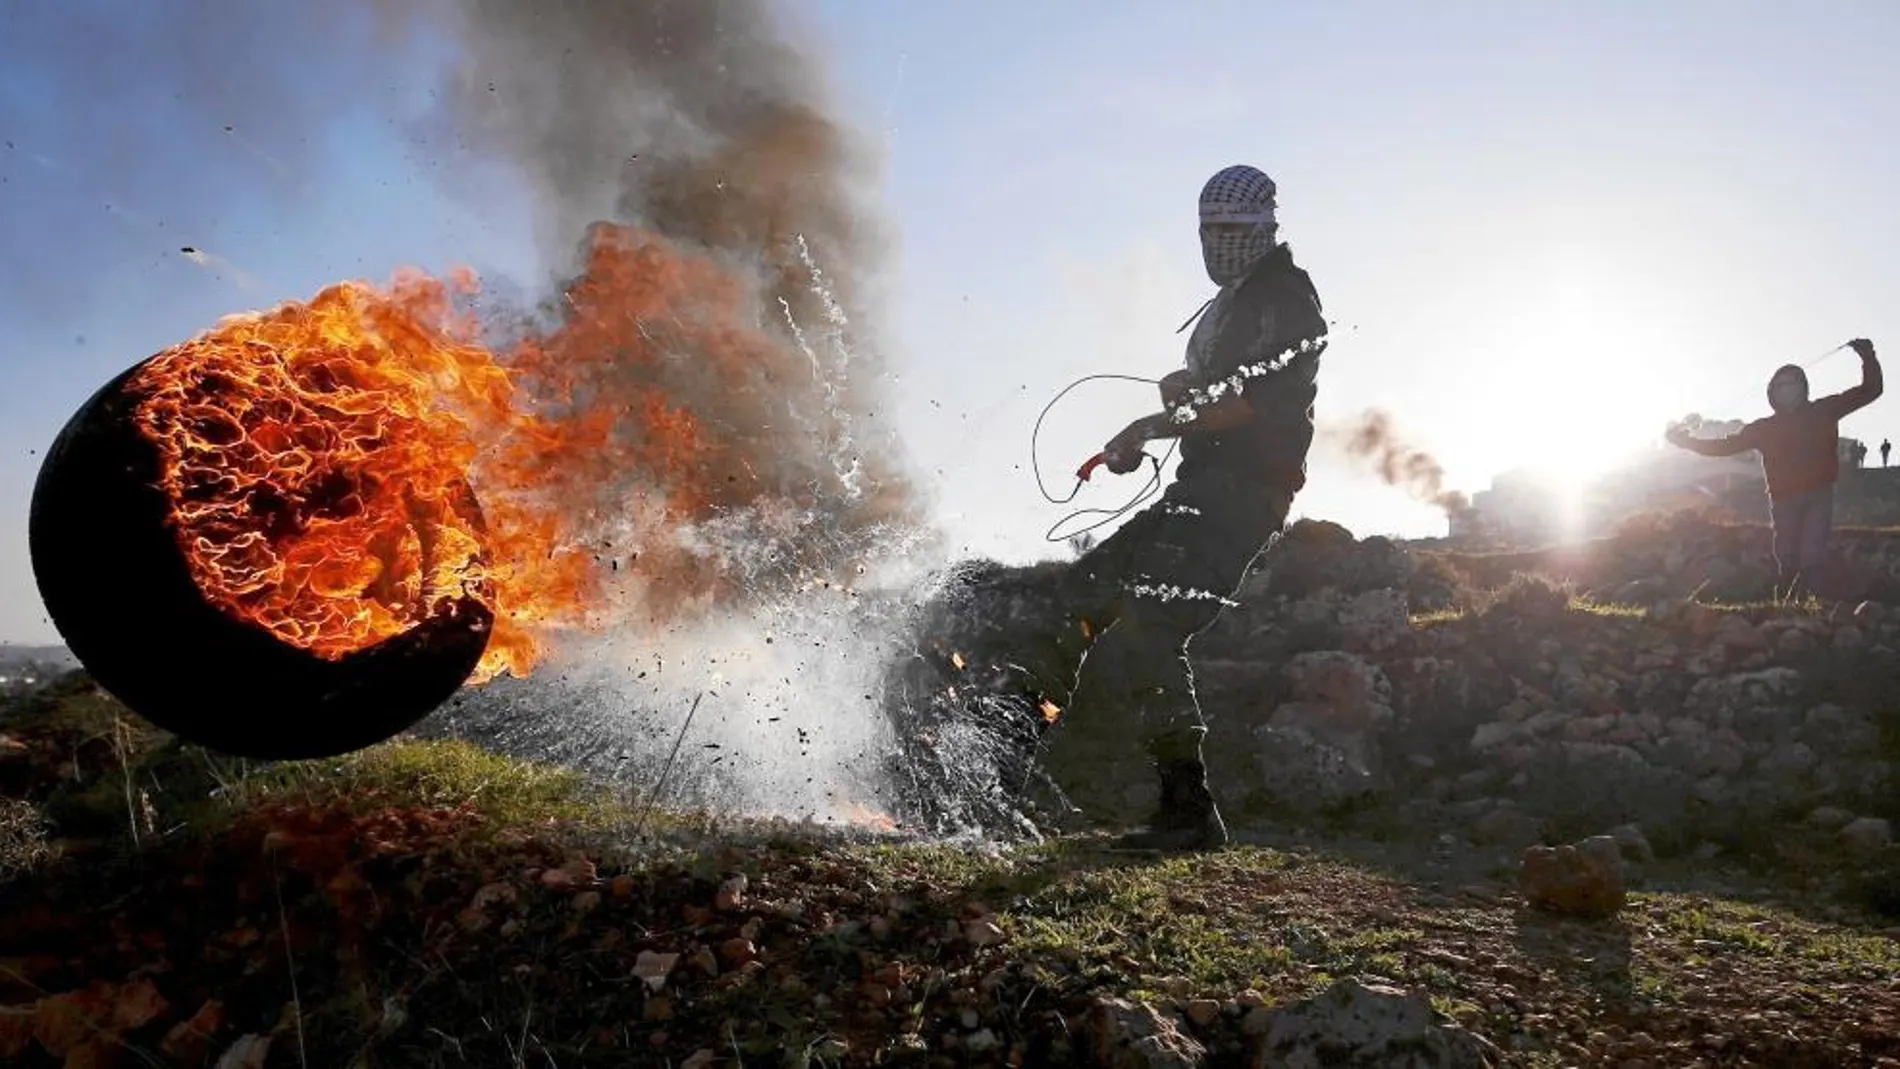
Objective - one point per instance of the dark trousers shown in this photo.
(1802, 524)
(1135, 602)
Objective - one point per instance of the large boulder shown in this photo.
(1584, 879)
(1134, 1035)
(1356, 1025)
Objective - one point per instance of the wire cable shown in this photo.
(1148, 489)
(1742, 395)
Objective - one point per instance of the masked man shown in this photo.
(1242, 408)
(1800, 457)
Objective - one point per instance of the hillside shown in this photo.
(1403, 737)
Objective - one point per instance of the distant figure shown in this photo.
(1800, 457)
(1886, 448)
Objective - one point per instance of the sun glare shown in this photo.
(1598, 396)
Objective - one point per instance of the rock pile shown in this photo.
(1356, 674)
(1531, 709)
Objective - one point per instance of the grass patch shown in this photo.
(1586, 604)
(1579, 603)
(1800, 604)
(1733, 933)
(1436, 618)
(23, 845)
(437, 774)
(1208, 925)
(1740, 927)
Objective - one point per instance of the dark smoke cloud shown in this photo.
(1371, 437)
(703, 121)
(707, 122)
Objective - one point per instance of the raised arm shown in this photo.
(1855, 398)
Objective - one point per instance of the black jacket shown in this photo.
(1265, 340)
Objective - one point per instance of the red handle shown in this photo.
(1088, 467)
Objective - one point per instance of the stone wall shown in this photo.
(1529, 714)
(1461, 695)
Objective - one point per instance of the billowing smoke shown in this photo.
(719, 315)
(1371, 438)
(681, 128)
(701, 431)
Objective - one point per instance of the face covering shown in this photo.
(1788, 389)
(1237, 222)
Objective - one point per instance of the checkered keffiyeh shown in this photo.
(1238, 194)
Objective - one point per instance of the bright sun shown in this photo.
(1594, 395)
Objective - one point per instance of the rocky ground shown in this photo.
(1484, 819)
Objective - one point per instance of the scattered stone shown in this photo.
(187, 1042)
(1793, 644)
(136, 1005)
(1507, 827)
(492, 894)
(983, 932)
(1376, 620)
(1496, 733)
(577, 873)
(731, 894)
(1868, 835)
(249, 1052)
(1355, 1024)
(1633, 843)
(1203, 1011)
(1830, 817)
(1134, 1035)
(1580, 880)
(738, 950)
(653, 968)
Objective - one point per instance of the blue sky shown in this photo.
(1542, 229)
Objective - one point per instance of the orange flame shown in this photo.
(865, 816)
(317, 455)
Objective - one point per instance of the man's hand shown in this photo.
(1175, 387)
(1862, 347)
(1123, 452)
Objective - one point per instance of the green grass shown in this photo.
(437, 774)
(1199, 925)
(1078, 918)
(1760, 931)
(23, 845)
(1577, 603)
(1585, 604)
(1805, 605)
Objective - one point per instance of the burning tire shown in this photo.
(110, 558)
